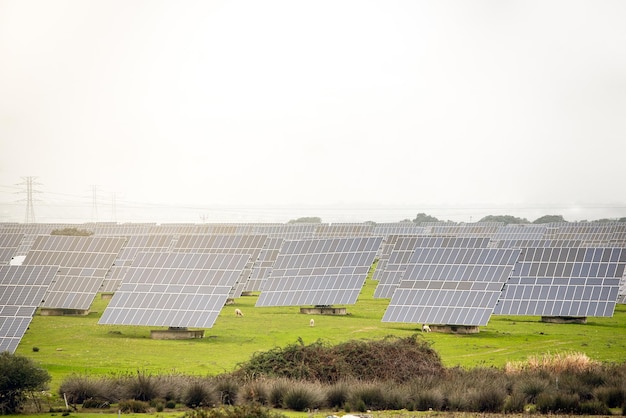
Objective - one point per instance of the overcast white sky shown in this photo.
(348, 110)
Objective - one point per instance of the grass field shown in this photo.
(79, 345)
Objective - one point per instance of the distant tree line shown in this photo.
(509, 219)
(74, 232)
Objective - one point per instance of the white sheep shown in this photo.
(425, 328)
(312, 322)
(238, 312)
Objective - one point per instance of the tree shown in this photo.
(19, 376)
(74, 232)
(506, 219)
(306, 220)
(422, 217)
(546, 219)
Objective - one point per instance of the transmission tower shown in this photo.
(29, 182)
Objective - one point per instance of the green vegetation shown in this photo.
(506, 219)
(79, 345)
(306, 220)
(74, 232)
(19, 377)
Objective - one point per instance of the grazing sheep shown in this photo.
(425, 328)
(312, 322)
(238, 312)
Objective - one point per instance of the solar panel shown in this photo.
(451, 286)
(83, 263)
(8, 247)
(227, 244)
(592, 234)
(263, 266)
(134, 245)
(290, 231)
(174, 289)
(565, 282)
(31, 232)
(22, 288)
(403, 250)
(399, 228)
(343, 230)
(520, 232)
(467, 230)
(320, 272)
(526, 243)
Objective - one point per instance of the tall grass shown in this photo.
(78, 345)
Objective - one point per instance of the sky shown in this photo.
(351, 111)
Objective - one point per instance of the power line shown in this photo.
(29, 182)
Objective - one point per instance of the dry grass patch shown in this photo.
(553, 363)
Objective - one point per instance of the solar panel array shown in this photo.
(175, 289)
(403, 251)
(451, 286)
(556, 281)
(520, 232)
(134, 245)
(343, 230)
(592, 234)
(467, 230)
(263, 266)
(8, 247)
(226, 244)
(535, 243)
(83, 264)
(319, 272)
(22, 288)
(400, 228)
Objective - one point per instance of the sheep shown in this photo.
(238, 312)
(312, 322)
(425, 328)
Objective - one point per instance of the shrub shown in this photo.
(227, 390)
(277, 392)
(302, 397)
(428, 399)
(143, 387)
(370, 395)
(337, 395)
(92, 403)
(394, 359)
(255, 391)
(77, 389)
(243, 411)
(612, 396)
(199, 393)
(18, 377)
(594, 408)
(554, 363)
(531, 386)
(395, 397)
(558, 403)
(514, 403)
(170, 404)
(456, 401)
(35, 349)
(134, 406)
(489, 398)
(574, 384)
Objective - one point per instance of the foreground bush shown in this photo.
(390, 359)
(243, 411)
(19, 377)
(555, 390)
(77, 389)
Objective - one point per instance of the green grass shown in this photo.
(79, 345)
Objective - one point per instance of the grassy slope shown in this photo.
(80, 345)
